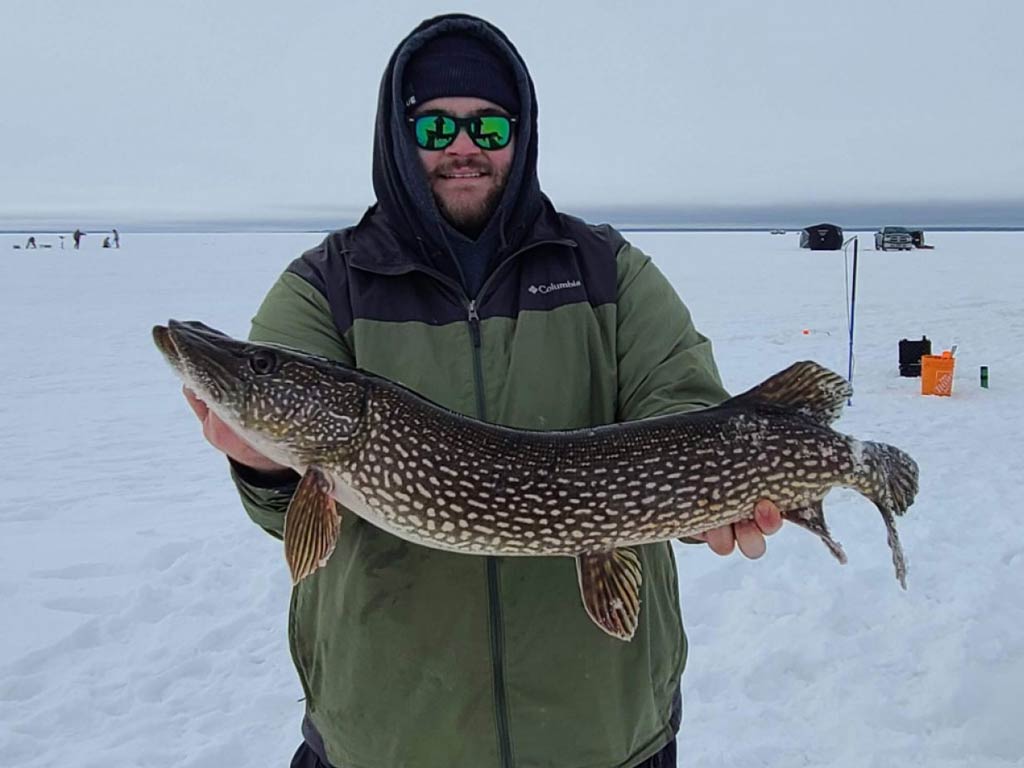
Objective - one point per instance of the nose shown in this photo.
(463, 145)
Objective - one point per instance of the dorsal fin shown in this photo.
(806, 387)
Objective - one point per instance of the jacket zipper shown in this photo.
(498, 662)
(495, 612)
(478, 361)
(497, 624)
(474, 320)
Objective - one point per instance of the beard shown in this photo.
(469, 211)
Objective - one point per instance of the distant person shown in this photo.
(410, 656)
(62, 242)
(117, 238)
(77, 235)
(106, 241)
(31, 243)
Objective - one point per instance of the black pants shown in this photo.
(306, 757)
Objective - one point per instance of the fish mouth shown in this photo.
(175, 338)
(200, 355)
(164, 341)
(178, 337)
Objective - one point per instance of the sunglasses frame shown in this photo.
(462, 124)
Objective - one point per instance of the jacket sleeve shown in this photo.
(295, 314)
(664, 364)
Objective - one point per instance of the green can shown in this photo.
(984, 377)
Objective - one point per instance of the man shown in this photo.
(77, 237)
(464, 283)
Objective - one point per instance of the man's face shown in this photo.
(467, 181)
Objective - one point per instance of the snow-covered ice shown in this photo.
(144, 616)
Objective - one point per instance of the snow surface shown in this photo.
(144, 615)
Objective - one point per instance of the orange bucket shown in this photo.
(937, 374)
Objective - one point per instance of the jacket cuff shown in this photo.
(283, 480)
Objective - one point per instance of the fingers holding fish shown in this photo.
(223, 438)
(750, 539)
(767, 517)
(199, 408)
(747, 534)
(722, 541)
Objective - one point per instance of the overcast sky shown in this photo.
(189, 108)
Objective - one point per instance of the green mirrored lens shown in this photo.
(493, 132)
(435, 131)
(488, 132)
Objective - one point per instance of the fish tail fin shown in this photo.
(889, 477)
(892, 474)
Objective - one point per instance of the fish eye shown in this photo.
(263, 361)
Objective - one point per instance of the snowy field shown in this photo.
(144, 615)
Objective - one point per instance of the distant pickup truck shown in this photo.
(893, 239)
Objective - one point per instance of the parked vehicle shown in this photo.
(893, 239)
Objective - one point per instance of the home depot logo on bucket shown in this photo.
(937, 374)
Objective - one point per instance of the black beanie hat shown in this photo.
(459, 65)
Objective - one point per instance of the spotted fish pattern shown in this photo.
(444, 480)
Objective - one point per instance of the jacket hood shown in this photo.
(403, 194)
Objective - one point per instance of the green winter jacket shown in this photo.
(413, 657)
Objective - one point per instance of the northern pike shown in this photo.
(441, 479)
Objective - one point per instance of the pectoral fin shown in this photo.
(610, 586)
(311, 525)
(812, 517)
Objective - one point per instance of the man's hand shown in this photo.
(221, 437)
(749, 534)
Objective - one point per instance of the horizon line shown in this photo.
(994, 215)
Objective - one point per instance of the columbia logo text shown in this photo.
(552, 287)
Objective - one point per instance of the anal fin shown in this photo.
(812, 517)
(610, 587)
(311, 525)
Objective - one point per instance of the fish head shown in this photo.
(294, 407)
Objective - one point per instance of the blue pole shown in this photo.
(853, 311)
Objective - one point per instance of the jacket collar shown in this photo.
(375, 245)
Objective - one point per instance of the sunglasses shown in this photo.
(438, 131)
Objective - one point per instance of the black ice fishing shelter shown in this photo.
(822, 237)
